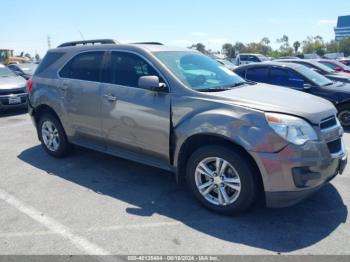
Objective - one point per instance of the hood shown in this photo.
(12, 82)
(269, 98)
(340, 76)
(341, 88)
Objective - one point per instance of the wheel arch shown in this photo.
(195, 141)
(41, 109)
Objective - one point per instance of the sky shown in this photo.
(26, 25)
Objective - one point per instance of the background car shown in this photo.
(24, 70)
(345, 61)
(226, 63)
(304, 79)
(243, 59)
(12, 89)
(320, 68)
(335, 65)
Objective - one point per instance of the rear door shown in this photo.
(258, 74)
(135, 121)
(80, 88)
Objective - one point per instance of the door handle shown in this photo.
(110, 98)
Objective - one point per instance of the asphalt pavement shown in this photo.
(93, 203)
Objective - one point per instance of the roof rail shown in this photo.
(147, 43)
(86, 42)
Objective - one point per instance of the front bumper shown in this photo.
(5, 101)
(296, 172)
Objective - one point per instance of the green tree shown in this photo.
(200, 47)
(265, 47)
(285, 48)
(314, 45)
(332, 46)
(228, 50)
(344, 46)
(239, 47)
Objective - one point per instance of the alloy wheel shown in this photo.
(217, 181)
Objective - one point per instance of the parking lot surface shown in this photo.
(92, 203)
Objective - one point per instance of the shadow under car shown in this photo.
(155, 191)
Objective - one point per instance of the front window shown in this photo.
(284, 77)
(313, 76)
(5, 72)
(3, 55)
(199, 72)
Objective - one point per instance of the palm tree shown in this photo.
(296, 46)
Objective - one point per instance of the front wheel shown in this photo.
(344, 115)
(221, 179)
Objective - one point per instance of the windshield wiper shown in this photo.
(222, 88)
(329, 84)
(213, 89)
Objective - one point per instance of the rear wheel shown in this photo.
(221, 179)
(52, 136)
(344, 115)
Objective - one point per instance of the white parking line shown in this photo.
(54, 226)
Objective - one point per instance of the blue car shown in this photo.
(302, 78)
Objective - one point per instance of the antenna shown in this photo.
(49, 42)
(81, 35)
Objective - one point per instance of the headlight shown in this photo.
(292, 129)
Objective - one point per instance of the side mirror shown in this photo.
(151, 83)
(307, 86)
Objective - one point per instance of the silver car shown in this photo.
(13, 92)
(232, 141)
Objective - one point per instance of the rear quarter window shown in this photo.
(85, 66)
(48, 60)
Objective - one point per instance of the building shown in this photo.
(343, 27)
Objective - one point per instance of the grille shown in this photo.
(328, 122)
(334, 146)
(12, 91)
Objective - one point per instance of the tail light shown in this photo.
(29, 86)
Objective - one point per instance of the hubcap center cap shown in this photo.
(218, 180)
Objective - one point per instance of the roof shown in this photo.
(343, 21)
(148, 47)
(272, 63)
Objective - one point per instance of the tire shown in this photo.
(240, 186)
(60, 147)
(344, 115)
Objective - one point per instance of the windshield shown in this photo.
(227, 63)
(6, 72)
(345, 67)
(313, 76)
(323, 67)
(262, 58)
(198, 71)
(28, 68)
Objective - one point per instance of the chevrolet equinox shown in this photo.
(179, 110)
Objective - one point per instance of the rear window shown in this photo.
(48, 60)
(85, 66)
